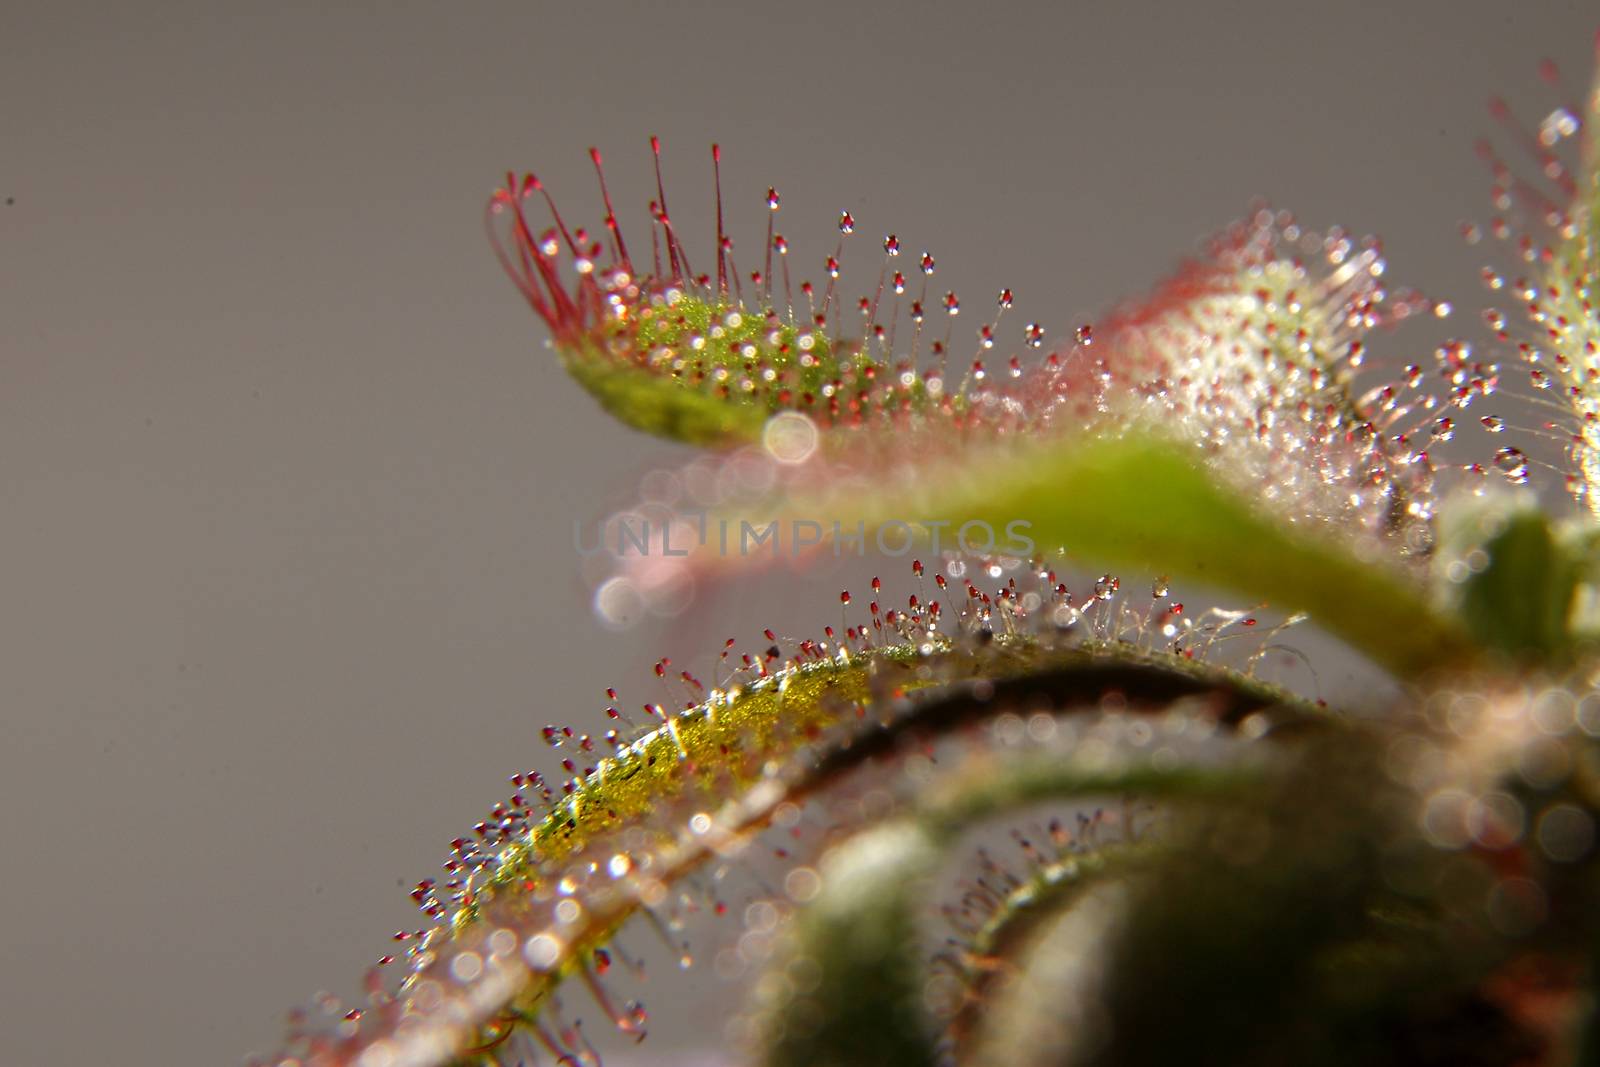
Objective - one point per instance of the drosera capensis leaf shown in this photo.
(1557, 211)
(996, 947)
(1136, 502)
(859, 936)
(1142, 502)
(699, 787)
(1389, 958)
(1254, 351)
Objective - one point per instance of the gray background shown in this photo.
(287, 479)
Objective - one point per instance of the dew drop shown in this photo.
(1513, 463)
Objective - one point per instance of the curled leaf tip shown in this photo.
(693, 356)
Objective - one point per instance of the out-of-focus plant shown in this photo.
(1243, 874)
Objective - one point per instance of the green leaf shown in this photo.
(659, 405)
(857, 954)
(1516, 583)
(1564, 312)
(1140, 502)
(855, 963)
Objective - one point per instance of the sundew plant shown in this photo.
(1024, 804)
